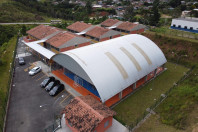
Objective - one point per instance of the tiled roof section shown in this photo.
(60, 38)
(126, 26)
(79, 26)
(85, 113)
(109, 22)
(97, 31)
(42, 31)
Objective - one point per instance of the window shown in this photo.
(106, 123)
(76, 45)
(191, 28)
(179, 26)
(185, 27)
(174, 25)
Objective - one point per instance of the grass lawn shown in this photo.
(175, 34)
(134, 106)
(6, 57)
(3, 1)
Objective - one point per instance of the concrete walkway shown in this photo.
(46, 70)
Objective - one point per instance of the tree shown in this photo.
(88, 6)
(155, 15)
(175, 3)
(129, 14)
(23, 30)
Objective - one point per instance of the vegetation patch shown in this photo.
(133, 107)
(6, 58)
(17, 12)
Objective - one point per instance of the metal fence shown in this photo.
(5, 103)
(159, 100)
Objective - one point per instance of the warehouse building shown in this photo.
(111, 23)
(79, 27)
(130, 28)
(64, 41)
(101, 34)
(124, 27)
(95, 33)
(41, 32)
(112, 69)
(44, 40)
(185, 24)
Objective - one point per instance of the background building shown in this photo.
(185, 24)
(95, 33)
(64, 41)
(124, 27)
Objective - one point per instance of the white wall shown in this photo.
(184, 23)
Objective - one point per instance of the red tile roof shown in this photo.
(97, 31)
(85, 113)
(79, 26)
(60, 38)
(109, 22)
(126, 26)
(42, 31)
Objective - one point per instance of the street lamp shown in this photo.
(52, 106)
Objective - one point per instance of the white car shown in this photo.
(35, 70)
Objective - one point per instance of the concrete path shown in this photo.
(46, 70)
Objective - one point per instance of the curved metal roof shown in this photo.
(113, 65)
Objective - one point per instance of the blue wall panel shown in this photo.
(82, 82)
(183, 29)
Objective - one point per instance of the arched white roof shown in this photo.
(113, 65)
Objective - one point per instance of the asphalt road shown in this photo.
(31, 109)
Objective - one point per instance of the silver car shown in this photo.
(35, 70)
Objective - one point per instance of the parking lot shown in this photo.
(31, 108)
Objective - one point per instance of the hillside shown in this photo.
(17, 12)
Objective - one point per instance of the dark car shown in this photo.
(46, 82)
(51, 85)
(21, 61)
(57, 89)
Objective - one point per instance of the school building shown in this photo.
(112, 69)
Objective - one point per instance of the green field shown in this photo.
(134, 106)
(6, 57)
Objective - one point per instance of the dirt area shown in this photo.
(165, 16)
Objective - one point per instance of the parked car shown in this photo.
(21, 61)
(46, 82)
(51, 85)
(35, 70)
(57, 89)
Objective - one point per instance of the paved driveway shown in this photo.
(31, 108)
